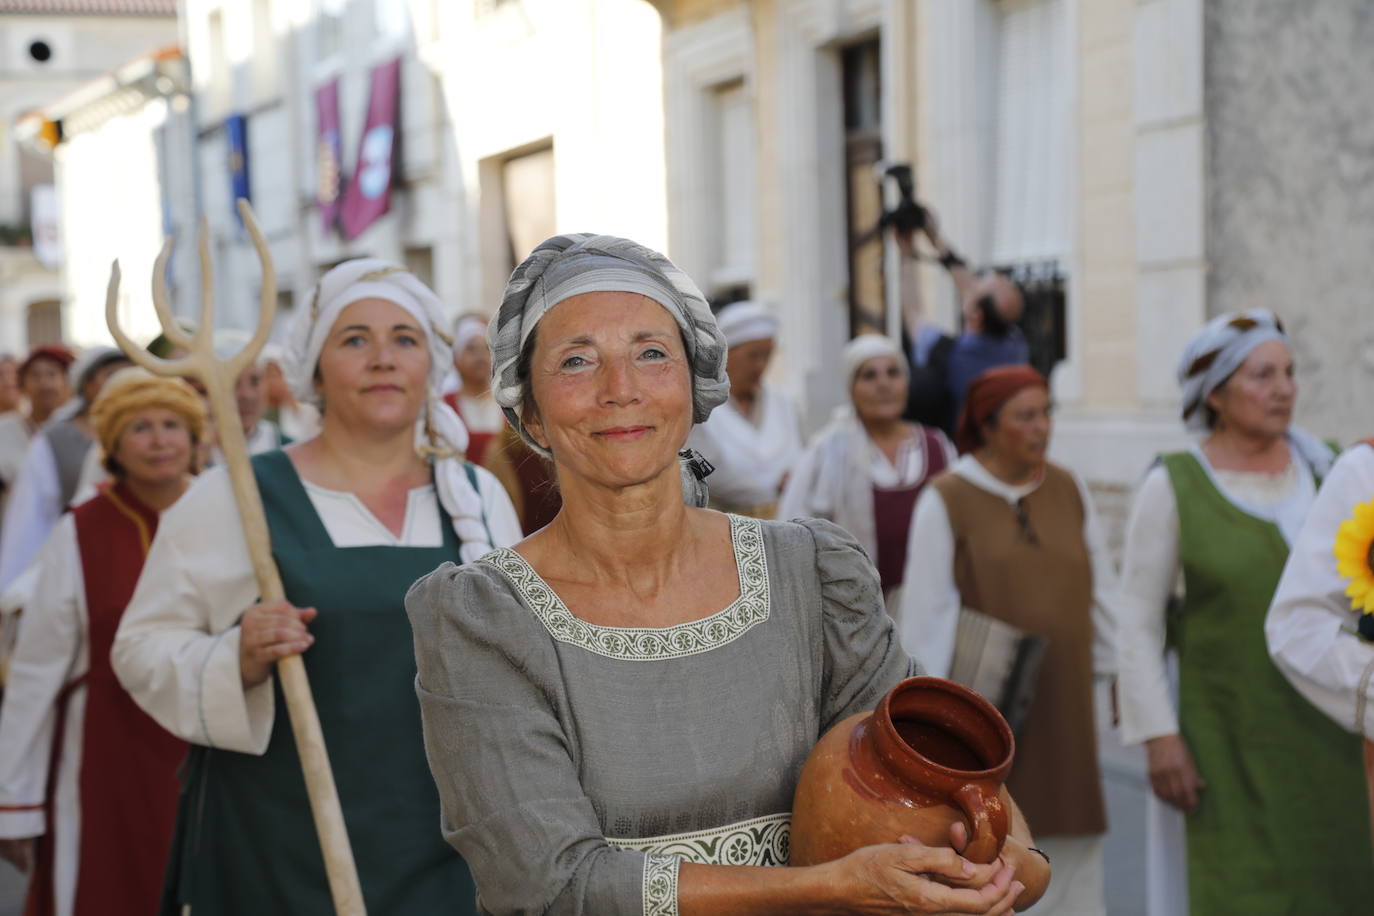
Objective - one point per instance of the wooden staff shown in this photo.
(218, 376)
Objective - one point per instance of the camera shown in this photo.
(908, 215)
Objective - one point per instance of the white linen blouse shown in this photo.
(177, 648)
(1310, 625)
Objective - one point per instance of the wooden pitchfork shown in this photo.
(219, 376)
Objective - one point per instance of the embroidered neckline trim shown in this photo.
(648, 644)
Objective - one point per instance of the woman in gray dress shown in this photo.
(616, 711)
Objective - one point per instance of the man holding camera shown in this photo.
(943, 367)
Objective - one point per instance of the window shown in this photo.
(735, 189)
(862, 88)
(265, 56)
(1030, 204)
(329, 29)
(1030, 218)
(217, 89)
(35, 171)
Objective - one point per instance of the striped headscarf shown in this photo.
(1216, 352)
(570, 265)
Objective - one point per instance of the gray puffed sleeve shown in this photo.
(862, 654)
(494, 710)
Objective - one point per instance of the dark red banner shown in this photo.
(369, 193)
(328, 154)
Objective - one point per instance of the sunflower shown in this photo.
(1355, 563)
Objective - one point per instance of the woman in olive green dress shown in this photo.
(1270, 791)
(355, 515)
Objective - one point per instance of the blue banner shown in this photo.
(236, 131)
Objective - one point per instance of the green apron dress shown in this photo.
(246, 843)
(1280, 826)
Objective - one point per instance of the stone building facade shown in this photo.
(1289, 93)
(1153, 162)
(1158, 161)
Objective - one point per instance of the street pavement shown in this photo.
(11, 890)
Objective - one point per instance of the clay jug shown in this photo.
(931, 753)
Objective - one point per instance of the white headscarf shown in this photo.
(863, 348)
(465, 328)
(744, 322)
(272, 353)
(439, 433)
(834, 479)
(1216, 352)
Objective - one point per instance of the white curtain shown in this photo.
(737, 180)
(1034, 124)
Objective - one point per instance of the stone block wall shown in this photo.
(1290, 189)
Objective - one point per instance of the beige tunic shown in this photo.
(1038, 576)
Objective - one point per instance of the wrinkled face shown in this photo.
(473, 362)
(746, 363)
(612, 388)
(248, 395)
(45, 385)
(154, 447)
(1020, 431)
(1259, 397)
(374, 368)
(879, 391)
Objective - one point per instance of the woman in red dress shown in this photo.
(96, 837)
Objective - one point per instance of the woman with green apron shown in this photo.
(1256, 805)
(379, 498)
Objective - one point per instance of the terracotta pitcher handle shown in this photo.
(987, 822)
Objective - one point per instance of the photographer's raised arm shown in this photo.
(958, 269)
(909, 280)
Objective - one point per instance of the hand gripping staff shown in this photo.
(218, 377)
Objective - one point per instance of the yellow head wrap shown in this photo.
(134, 389)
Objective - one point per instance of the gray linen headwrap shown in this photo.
(570, 265)
(1216, 352)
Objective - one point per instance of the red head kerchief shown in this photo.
(55, 352)
(986, 394)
